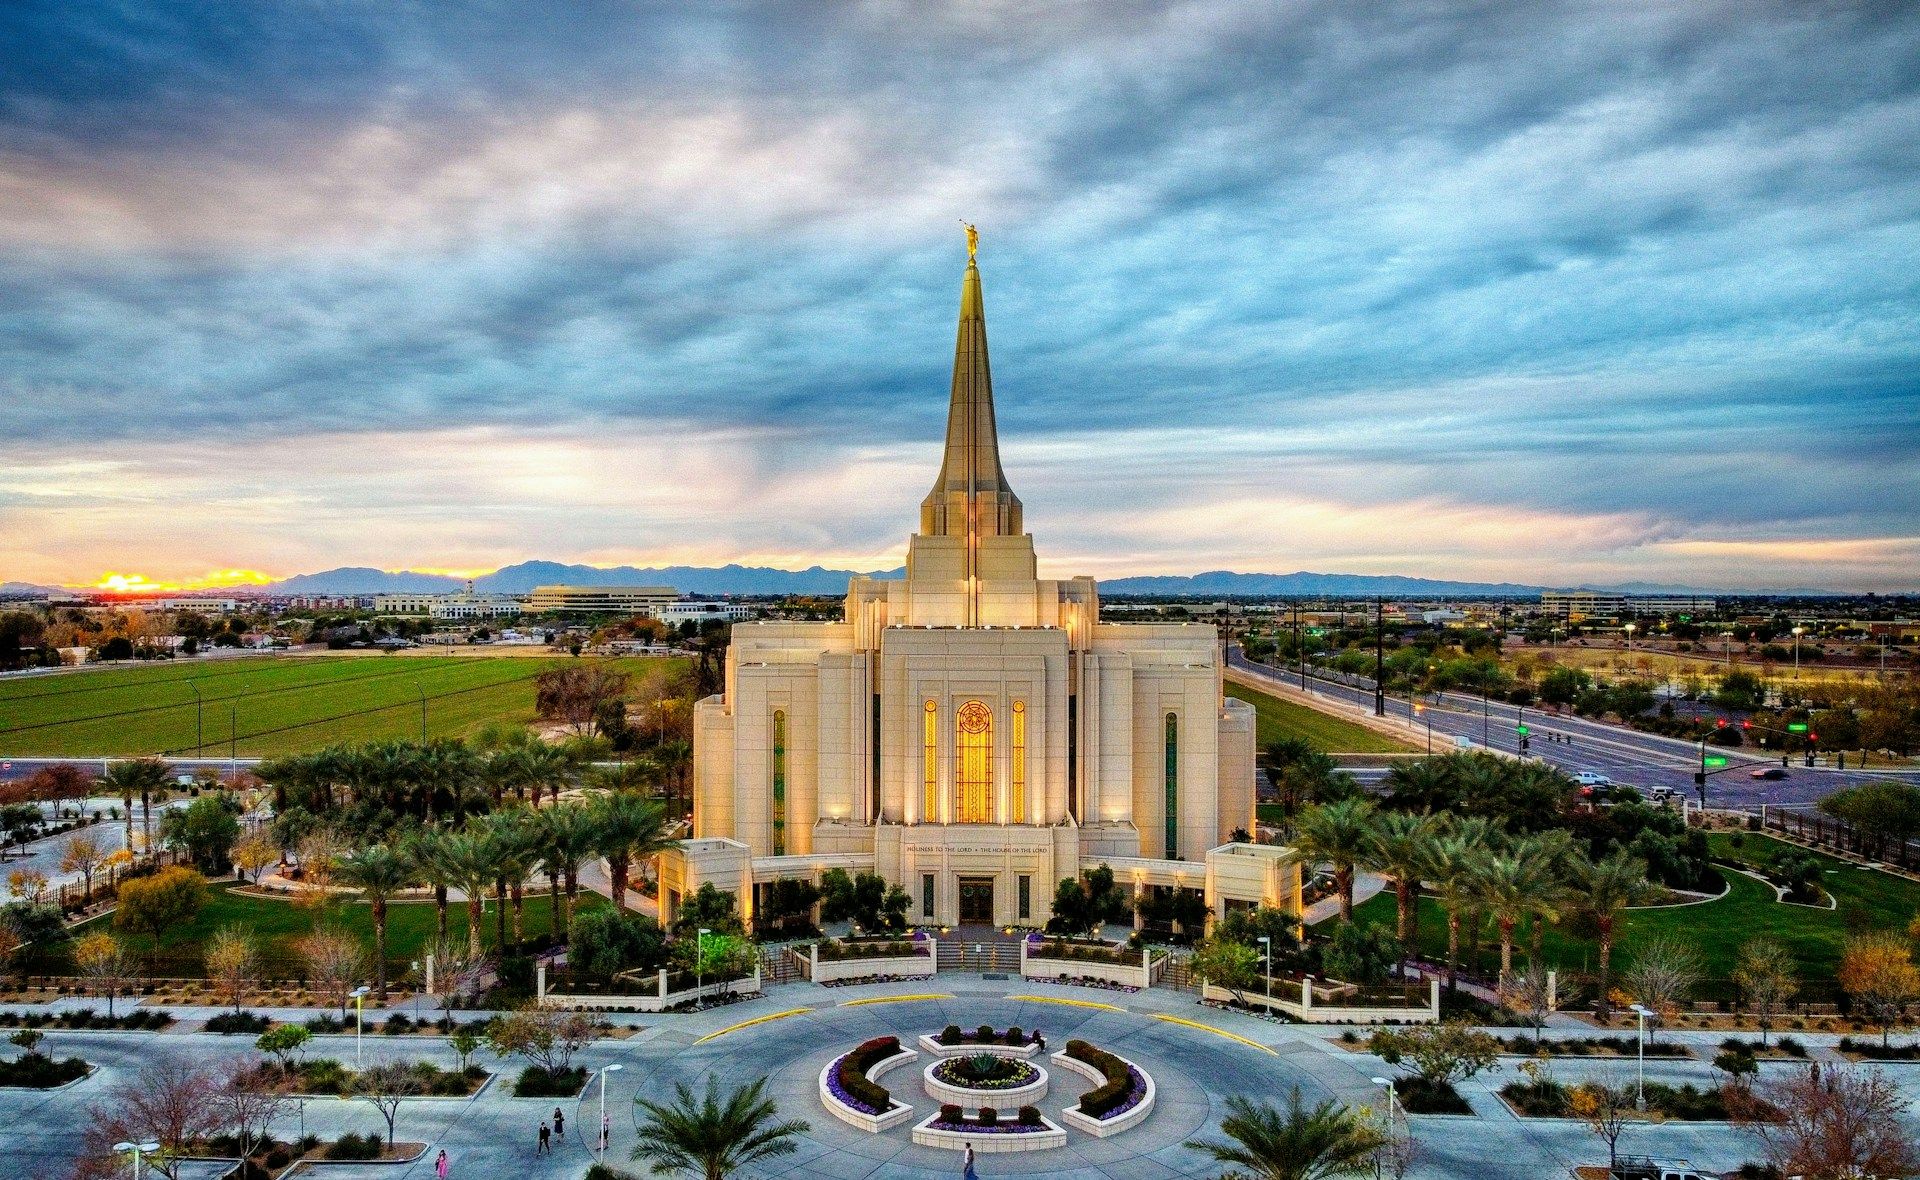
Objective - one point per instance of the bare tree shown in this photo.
(1605, 1109)
(1664, 970)
(248, 1099)
(1525, 994)
(456, 976)
(547, 1037)
(169, 1103)
(384, 1087)
(104, 964)
(83, 853)
(1768, 977)
(233, 962)
(1837, 1122)
(335, 961)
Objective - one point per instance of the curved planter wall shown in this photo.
(898, 1113)
(933, 1048)
(1101, 1128)
(1011, 1098)
(990, 1142)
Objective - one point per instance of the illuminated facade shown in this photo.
(971, 732)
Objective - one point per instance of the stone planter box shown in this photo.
(990, 1142)
(898, 1113)
(1101, 1128)
(969, 1099)
(933, 1048)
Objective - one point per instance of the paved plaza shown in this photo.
(1197, 1056)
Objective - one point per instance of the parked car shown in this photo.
(1592, 778)
(1772, 772)
(1640, 1167)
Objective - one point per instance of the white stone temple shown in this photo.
(973, 732)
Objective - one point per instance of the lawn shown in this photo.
(279, 924)
(1867, 900)
(1276, 719)
(265, 706)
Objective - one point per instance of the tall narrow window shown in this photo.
(779, 782)
(1173, 786)
(1026, 896)
(930, 805)
(926, 894)
(973, 763)
(1019, 762)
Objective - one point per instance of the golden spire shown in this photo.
(971, 498)
(973, 240)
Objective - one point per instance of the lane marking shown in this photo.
(1219, 1032)
(1067, 1003)
(750, 1023)
(894, 1000)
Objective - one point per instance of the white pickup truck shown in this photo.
(1641, 1167)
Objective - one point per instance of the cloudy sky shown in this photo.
(1549, 293)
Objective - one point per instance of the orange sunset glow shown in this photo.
(118, 583)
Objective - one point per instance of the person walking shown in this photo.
(606, 1130)
(440, 1165)
(559, 1123)
(969, 1173)
(546, 1137)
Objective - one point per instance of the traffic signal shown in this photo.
(1699, 778)
(1523, 743)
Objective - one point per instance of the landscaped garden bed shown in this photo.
(1622, 1046)
(1870, 1050)
(327, 1076)
(991, 1131)
(984, 1079)
(37, 1071)
(88, 1019)
(1122, 1099)
(953, 1041)
(1546, 1099)
(848, 1091)
(538, 1082)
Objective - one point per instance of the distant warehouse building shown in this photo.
(465, 604)
(596, 600)
(1584, 604)
(675, 613)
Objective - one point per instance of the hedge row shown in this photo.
(1103, 1099)
(853, 1073)
(984, 1035)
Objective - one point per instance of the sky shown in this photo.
(1533, 292)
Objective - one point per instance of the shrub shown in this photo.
(984, 1033)
(949, 1113)
(1118, 1086)
(228, 1023)
(853, 1077)
(989, 1116)
(1029, 1116)
(1014, 1036)
(1420, 1096)
(37, 1071)
(950, 1035)
(354, 1147)
(536, 1082)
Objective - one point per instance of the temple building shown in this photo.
(973, 732)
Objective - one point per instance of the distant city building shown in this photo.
(675, 613)
(1580, 604)
(198, 606)
(464, 604)
(638, 600)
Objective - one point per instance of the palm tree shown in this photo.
(542, 766)
(569, 837)
(379, 872)
(513, 840)
(1453, 866)
(142, 777)
(467, 862)
(1510, 887)
(1402, 849)
(628, 828)
(714, 1136)
(424, 848)
(674, 756)
(1339, 834)
(1604, 889)
(1293, 1144)
(1425, 786)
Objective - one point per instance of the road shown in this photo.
(1575, 743)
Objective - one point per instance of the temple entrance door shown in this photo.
(976, 899)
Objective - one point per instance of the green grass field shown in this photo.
(1276, 719)
(1868, 900)
(278, 924)
(265, 706)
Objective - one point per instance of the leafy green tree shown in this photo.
(1562, 686)
(714, 1135)
(284, 1042)
(709, 907)
(607, 941)
(1768, 978)
(863, 899)
(1438, 1053)
(1360, 954)
(1234, 966)
(204, 830)
(1296, 1143)
(1082, 906)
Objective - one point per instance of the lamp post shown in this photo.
(1629, 630)
(233, 739)
(359, 996)
(700, 960)
(1266, 961)
(1797, 633)
(423, 714)
(1387, 1085)
(1425, 710)
(138, 1150)
(1641, 1012)
(604, 1071)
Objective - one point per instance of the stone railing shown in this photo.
(1334, 1003)
(922, 963)
(643, 993)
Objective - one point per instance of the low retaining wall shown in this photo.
(820, 970)
(660, 1001)
(934, 1048)
(1034, 966)
(896, 1114)
(1297, 1001)
(990, 1142)
(1125, 1120)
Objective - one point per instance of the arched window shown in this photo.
(1173, 786)
(779, 782)
(1019, 791)
(973, 763)
(930, 806)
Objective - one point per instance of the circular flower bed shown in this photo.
(984, 1071)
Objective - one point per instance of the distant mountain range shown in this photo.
(759, 580)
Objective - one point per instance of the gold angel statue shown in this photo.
(973, 240)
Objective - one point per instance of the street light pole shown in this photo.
(139, 1150)
(1266, 961)
(1379, 658)
(359, 995)
(1641, 1012)
(700, 961)
(604, 1071)
(199, 720)
(1797, 633)
(423, 714)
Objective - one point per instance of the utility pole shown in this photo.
(1300, 653)
(423, 717)
(1379, 658)
(199, 725)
